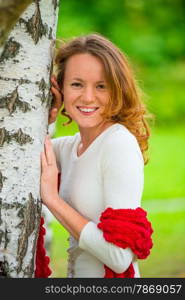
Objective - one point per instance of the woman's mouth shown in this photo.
(87, 111)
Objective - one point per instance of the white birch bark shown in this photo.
(25, 66)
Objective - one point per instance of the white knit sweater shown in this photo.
(108, 174)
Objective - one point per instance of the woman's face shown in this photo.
(85, 90)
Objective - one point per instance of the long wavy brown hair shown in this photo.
(125, 104)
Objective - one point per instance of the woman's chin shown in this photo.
(87, 125)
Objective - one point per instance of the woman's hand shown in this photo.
(57, 102)
(49, 174)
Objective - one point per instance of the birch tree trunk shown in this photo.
(25, 66)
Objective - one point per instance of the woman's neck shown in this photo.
(88, 135)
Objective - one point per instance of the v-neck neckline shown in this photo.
(92, 145)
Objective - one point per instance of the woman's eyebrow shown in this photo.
(76, 78)
(79, 79)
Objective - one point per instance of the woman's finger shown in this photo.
(52, 115)
(50, 156)
(43, 160)
(53, 112)
(54, 82)
(58, 98)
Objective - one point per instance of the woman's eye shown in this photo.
(76, 84)
(101, 86)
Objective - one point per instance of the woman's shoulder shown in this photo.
(119, 141)
(120, 135)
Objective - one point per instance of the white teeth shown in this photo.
(87, 109)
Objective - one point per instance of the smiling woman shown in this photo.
(101, 166)
(124, 96)
(86, 95)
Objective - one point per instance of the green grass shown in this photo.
(59, 247)
(167, 258)
(165, 172)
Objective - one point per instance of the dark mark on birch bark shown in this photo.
(13, 205)
(45, 98)
(2, 179)
(31, 213)
(42, 97)
(49, 100)
(16, 168)
(2, 136)
(2, 270)
(1, 233)
(49, 95)
(50, 33)
(20, 137)
(6, 238)
(20, 80)
(12, 101)
(11, 49)
(54, 4)
(42, 85)
(34, 26)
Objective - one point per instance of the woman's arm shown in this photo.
(65, 214)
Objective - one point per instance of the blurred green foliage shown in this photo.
(151, 33)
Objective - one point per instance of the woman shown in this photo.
(102, 165)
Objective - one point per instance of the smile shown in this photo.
(87, 110)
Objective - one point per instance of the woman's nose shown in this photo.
(89, 94)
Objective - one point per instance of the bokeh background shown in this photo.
(152, 34)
